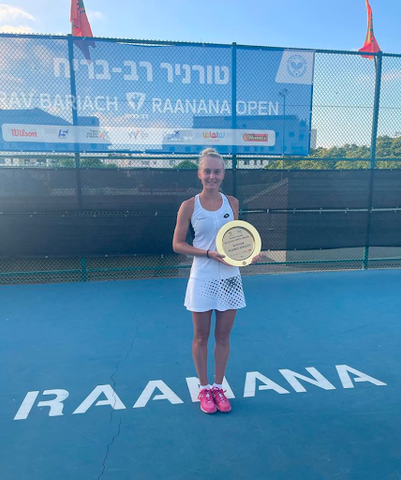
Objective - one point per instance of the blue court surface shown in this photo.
(315, 370)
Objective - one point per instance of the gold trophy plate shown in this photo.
(239, 241)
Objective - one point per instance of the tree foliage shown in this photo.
(187, 164)
(86, 163)
(340, 158)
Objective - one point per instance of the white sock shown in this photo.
(205, 386)
(218, 385)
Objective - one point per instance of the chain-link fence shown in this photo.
(96, 197)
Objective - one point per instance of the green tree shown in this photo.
(86, 163)
(341, 157)
(92, 163)
(187, 164)
(66, 163)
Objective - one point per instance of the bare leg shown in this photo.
(202, 321)
(224, 325)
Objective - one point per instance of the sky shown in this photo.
(324, 24)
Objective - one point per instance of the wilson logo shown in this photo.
(255, 137)
(16, 132)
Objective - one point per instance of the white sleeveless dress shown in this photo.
(212, 285)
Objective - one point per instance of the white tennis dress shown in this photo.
(212, 285)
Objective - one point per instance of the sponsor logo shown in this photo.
(226, 215)
(134, 134)
(255, 137)
(213, 134)
(177, 137)
(97, 134)
(62, 133)
(174, 137)
(17, 132)
(296, 66)
(135, 100)
(138, 134)
(92, 134)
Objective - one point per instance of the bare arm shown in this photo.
(235, 206)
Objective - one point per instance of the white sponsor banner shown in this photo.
(132, 137)
(54, 134)
(202, 136)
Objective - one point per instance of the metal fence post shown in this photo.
(234, 112)
(84, 271)
(378, 66)
(74, 110)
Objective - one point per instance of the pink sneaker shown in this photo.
(221, 400)
(207, 404)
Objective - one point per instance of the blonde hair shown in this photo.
(211, 153)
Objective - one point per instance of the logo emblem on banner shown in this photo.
(16, 132)
(135, 100)
(138, 134)
(62, 133)
(296, 66)
(214, 135)
(255, 137)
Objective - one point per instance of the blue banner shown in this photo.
(153, 98)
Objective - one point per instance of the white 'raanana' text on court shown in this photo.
(111, 398)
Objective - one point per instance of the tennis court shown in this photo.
(98, 378)
(315, 371)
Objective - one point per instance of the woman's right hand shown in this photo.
(217, 256)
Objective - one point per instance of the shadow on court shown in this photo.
(315, 370)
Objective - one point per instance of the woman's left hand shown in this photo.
(257, 258)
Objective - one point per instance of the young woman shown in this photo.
(213, 284)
